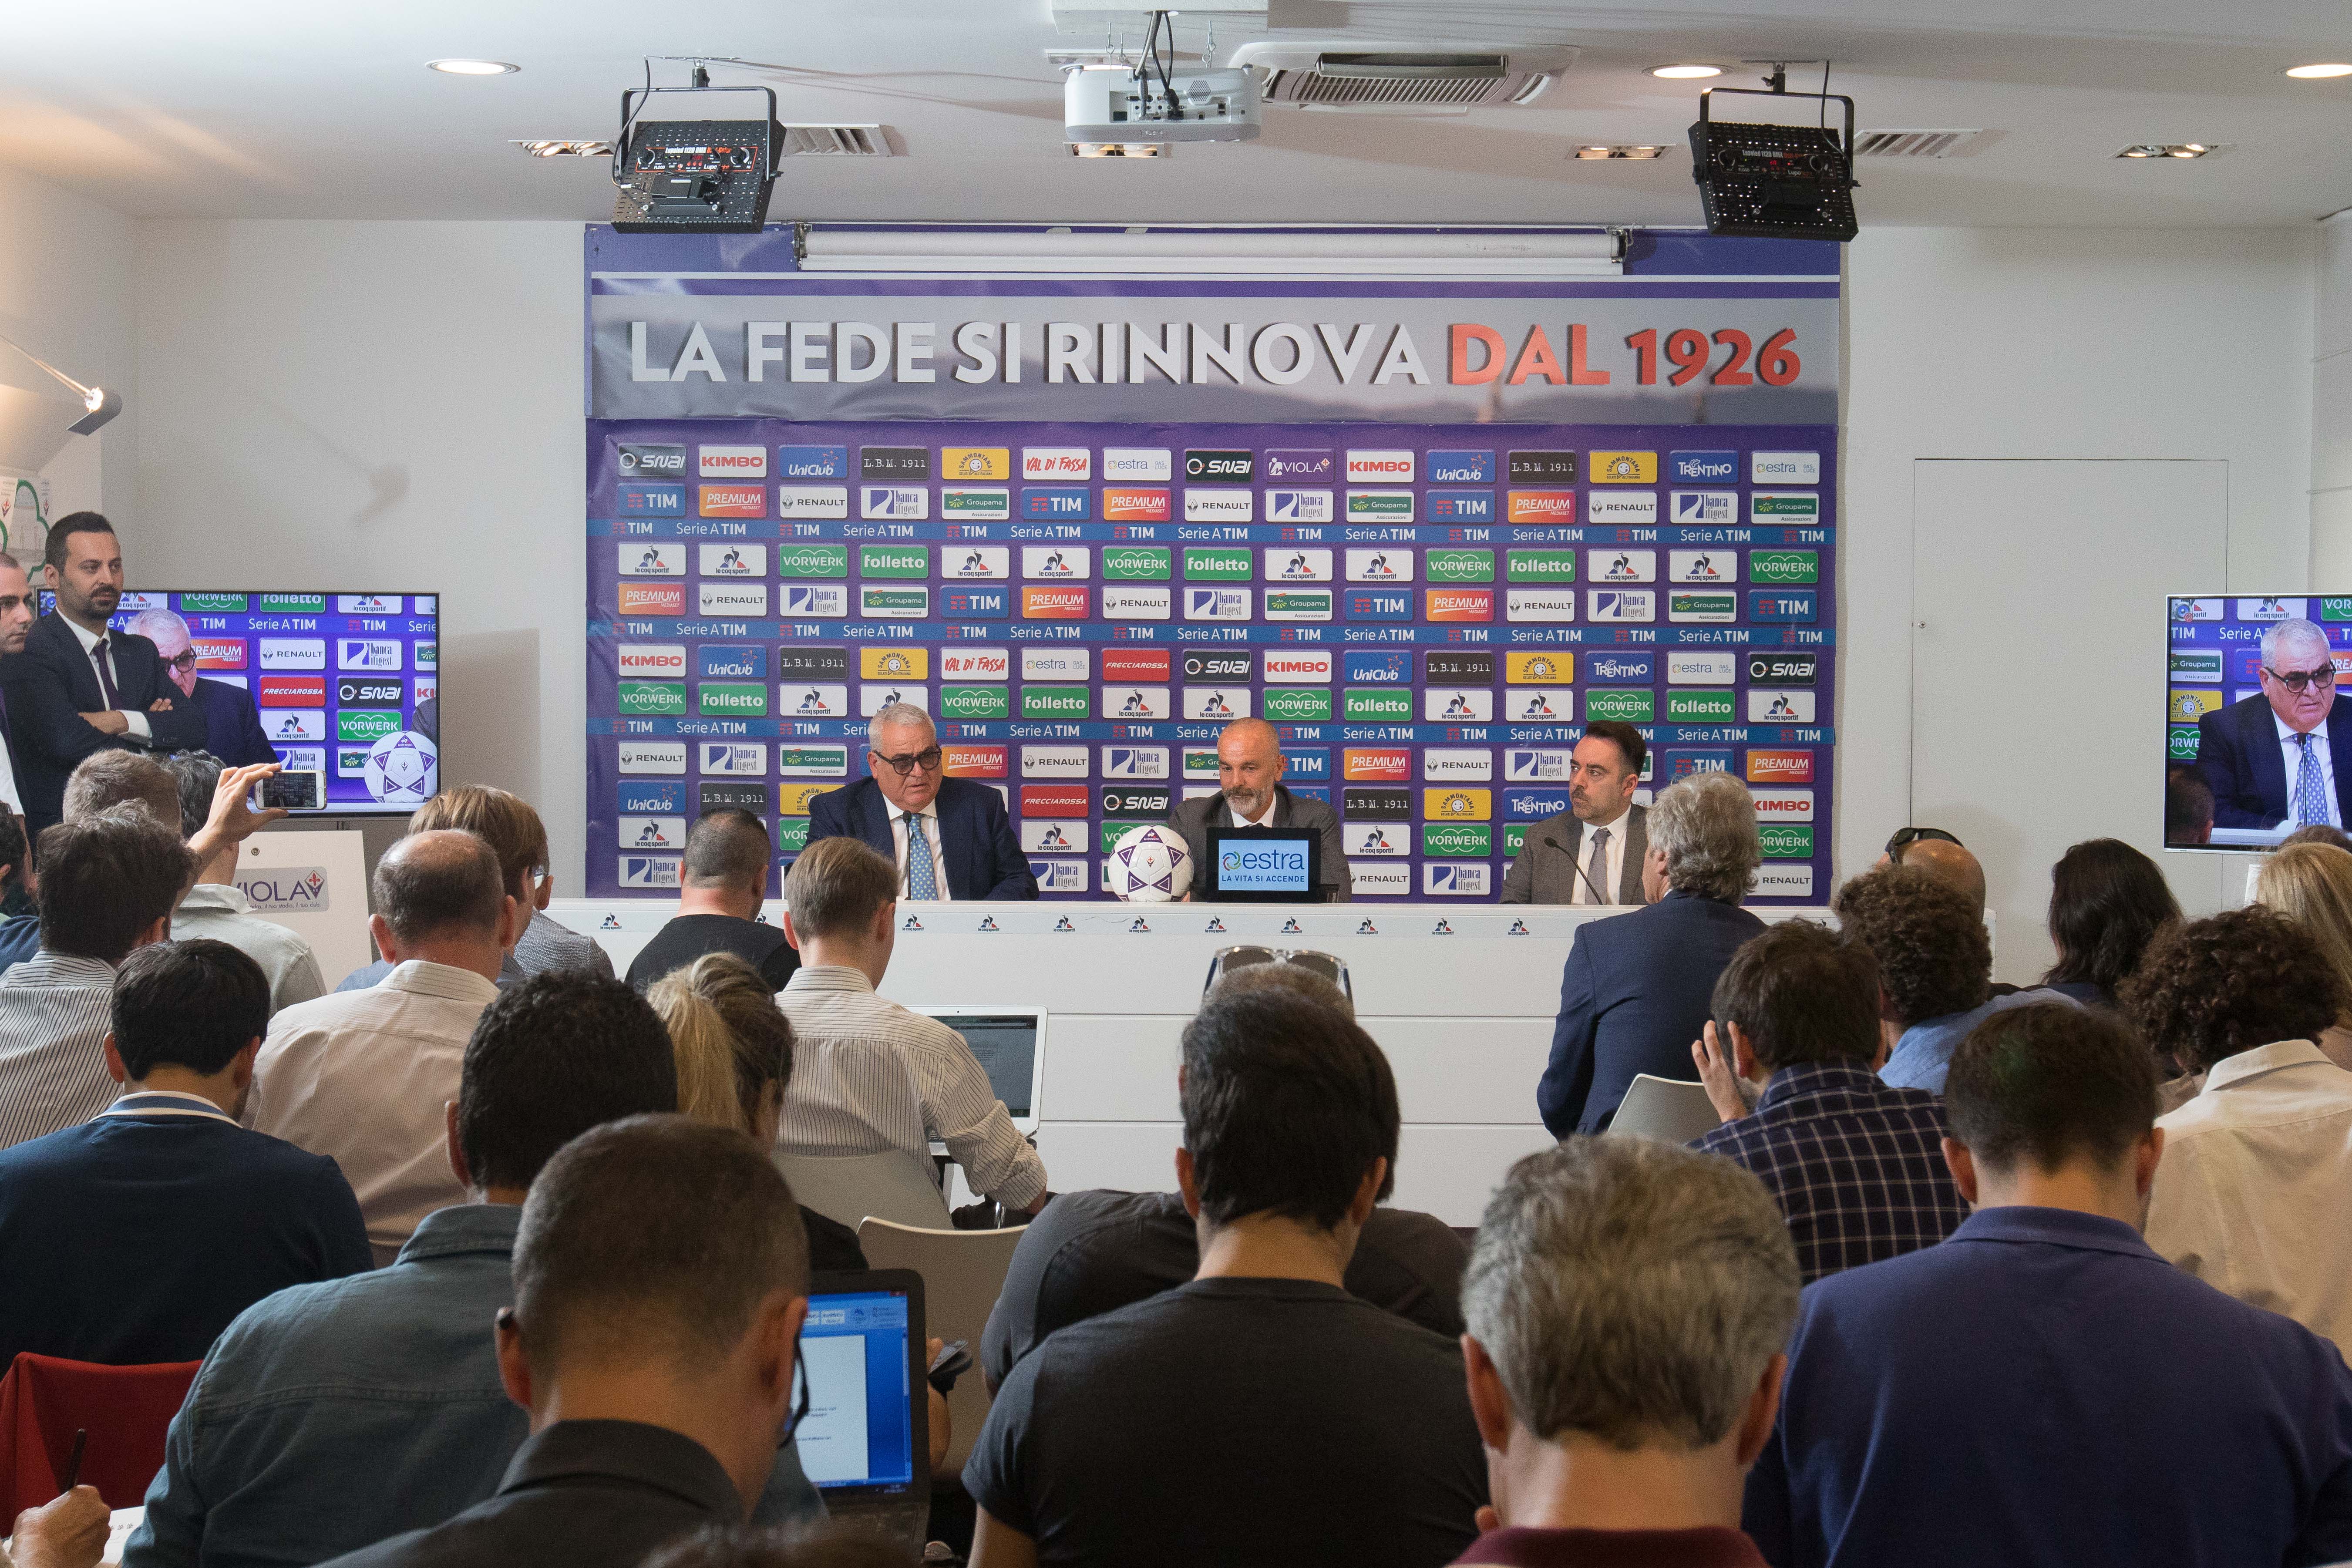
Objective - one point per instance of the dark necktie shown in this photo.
(105, 673)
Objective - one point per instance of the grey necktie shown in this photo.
(1596, 870)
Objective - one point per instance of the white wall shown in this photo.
(2331, 409)
(385, 405)
(66, 294)
(2052, 343)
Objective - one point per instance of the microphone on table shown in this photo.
(1583, 875)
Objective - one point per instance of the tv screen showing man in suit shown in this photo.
(232, 723)
(2254, 706)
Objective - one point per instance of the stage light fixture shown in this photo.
(472, 68)
(2317, 72)
(1684, 72)
(694, 176)
(99, 404)
(1782, 182)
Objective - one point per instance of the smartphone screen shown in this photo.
(294, 789)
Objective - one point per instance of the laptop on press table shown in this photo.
(866, 1442)
(1011, 1045)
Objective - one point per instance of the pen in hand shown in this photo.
(73, 1464)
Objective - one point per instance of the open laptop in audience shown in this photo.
(865, 1440)
(1010, 1043)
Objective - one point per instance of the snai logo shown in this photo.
(1779, 767)
(1373, 467)
(1383, 764)
(640, 460)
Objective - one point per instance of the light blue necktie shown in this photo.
(922, 882)
(2310, 794)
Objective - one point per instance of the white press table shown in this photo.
(1462, 997)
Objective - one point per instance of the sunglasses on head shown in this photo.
(1331, 966)
(1905, 836)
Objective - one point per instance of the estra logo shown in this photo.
(734, 501)
(1298, 665)
(975, 664)
(1376, 467)
(1138, 464)
(1054, 800)
(1540, 505)
(1376, 764)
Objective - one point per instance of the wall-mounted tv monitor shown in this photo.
(2258, 730)
(345, 685)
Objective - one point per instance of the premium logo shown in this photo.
(734, 462)
(1123, 604)
(734, 501)
(976, 762)
(1216, 702)
(1057, 463)
(1537, 766)
(718, 662)
(1216, 604)
(1134, 702)
(1459, 565)
(1298, 704)
(732, 560)
(1135, 506)
(1298, 506)
(1390, 564)
(1623, 469)
(1054, 800)
(1441, 764)
(894, 603)
(304, 692)
(1621, 668)
(1781, 842)
(1540, 505)
(1620, 508)
(1628, 704)
(1542, 467)
(740, 757)
(1779, 767)
(975, 703)
(1294, 466)
(1137, 800)
(1792, 506)
(903, 503)
(1456, 467)
(1053, 762)
(813, 462)
(1380, 506)
(976, 563)
(1285, 565)
(1784, 467)
(1461, 506)
(1373, 838)
(1623, 565)
(1138, 464)
(1298, 603)
(652, 696)
(1621, 605)
(640, 559)
(738, 599)
(1682, 606)
(1379, 468)
(1302, 664)
(649, 500)
(1783, 804)
(798, 700)
(894, 663)
(1784, 566)
(1539, 565)
(975, 463)
(812, 663)
(1779, 606)
(1376, 704)
(1465, 838)
(894, 462)
(1375, 667)
(1538, 705)
(1702, 666)
(1703, 467)
(1711, 508)
(813, 501)
(1039, 604)
(650, 460)
(1377, 764)
(1699, 707)
(1458, 604)
(975, 505)
(1230, 467)
(1457, 804)
(1705, 568)
(975, 664)
(654, 757)
(634, 599)
(1135, 762)
(1054, 701)
(1546, 668)
(733, 699)
(1363, 605)
(1219, 505)
(1057, 503)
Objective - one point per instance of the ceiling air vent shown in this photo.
(1315, 76)
(1911, 143)
(837, 141)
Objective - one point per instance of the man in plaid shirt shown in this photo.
(1855, 1163)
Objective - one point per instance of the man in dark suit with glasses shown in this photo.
(2281, 759)
(950, 838)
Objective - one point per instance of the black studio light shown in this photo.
(1782, 182)
(694, 176)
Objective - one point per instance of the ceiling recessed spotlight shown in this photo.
(472, 68)
(1621, 150)
(2167, 150)
(2318, 72)
(1684, 72)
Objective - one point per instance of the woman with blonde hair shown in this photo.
(734, 1049)
(2311, 884)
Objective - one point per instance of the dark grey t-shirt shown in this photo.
(1236, 1422)
(1096, 1251)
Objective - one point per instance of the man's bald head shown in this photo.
(1950, 864)
(1249, 765)
(442, 883)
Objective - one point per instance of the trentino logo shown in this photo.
(1712, 467)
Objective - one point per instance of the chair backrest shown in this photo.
(891, 1185)
(963, 1273)
(1665, 1108)
(125, 1409)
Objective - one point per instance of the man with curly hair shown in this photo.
(2257, 1174)
(1934, 968)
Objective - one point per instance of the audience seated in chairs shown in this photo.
(661, 1277)
(215, 908)
(722, 881)
(1094, 1252)
(2256, 1185)
(734, 1062)
(1935, 967)
(1855, 1163)
(2042, 1387)
(364, 1075)
(869, 1075)
(327, 1391)
(136, 1236)
(2311, 884)
(108, 885)
(1629, 1304)
(1193, 1427)
(2107, 902)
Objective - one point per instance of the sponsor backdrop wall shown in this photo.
(1428, 530)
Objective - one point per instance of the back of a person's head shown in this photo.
(440, 884)
(2188, 806)
(193, 1005)
(2211, 988)
(1631, 1291)
(2048, 1085)
(106, 878)
(1286, 1105)
(551, 1057)
(12, 844)
(105, 779)
(1933, 957)
(502, 820)
(1705, 825)
(2318, 833)
(741, 1546)
(733, 1044)
(726, 850)
(197, 775)
(1800, 993)
(653, 1241)
(2107, 901)
(837, 885)
(2311, 884)
(1257, 979)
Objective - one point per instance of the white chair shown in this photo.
(1665, 1108)
(963, 1273)
(845, 1188)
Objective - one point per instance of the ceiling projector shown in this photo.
(1118, 103)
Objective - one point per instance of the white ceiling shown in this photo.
(291, 109)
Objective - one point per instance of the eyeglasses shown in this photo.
(1905, 836)
(183, 662)
(1331, 966)
(2300, 680)
(928, 760)
(800, 1406)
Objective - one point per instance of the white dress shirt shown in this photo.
(89, 641)
(1614, 852)
(363, 1076)
(218, 910)
(9, 795)
(930, 815)
(2255, 1185)
(55, 1010)
(869, 1075)
(1272, 800)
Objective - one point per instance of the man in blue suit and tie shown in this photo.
(2281, 759)
(950, 838)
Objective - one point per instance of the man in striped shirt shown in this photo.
(109, 884)
(867, 1073)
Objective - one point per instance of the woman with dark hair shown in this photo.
(2107, 902)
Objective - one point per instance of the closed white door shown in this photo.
(2038, 665)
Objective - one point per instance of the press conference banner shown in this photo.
(1427, 530)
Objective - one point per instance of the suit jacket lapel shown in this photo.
(81, 676)
(874, 824)
(2340, 754)
(2265, 762)
(1637, 844)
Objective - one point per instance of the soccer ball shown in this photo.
(404, 768)
(1150, 865)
